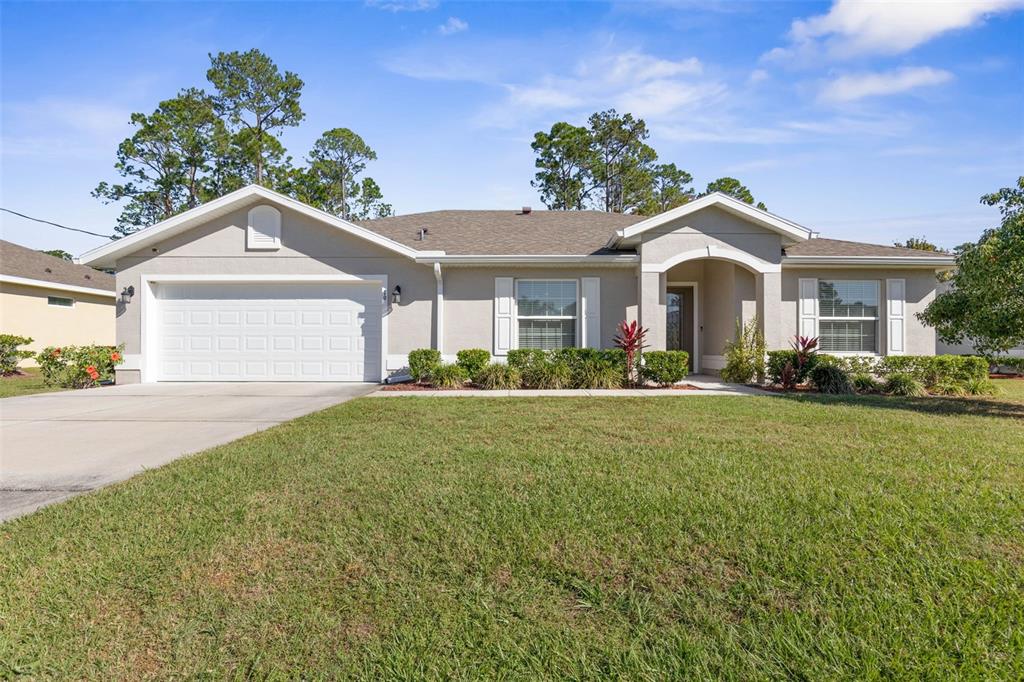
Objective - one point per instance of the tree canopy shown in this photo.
(608, 165)
(733, 188)
(198, 146)
(985, 303)
(919, 243)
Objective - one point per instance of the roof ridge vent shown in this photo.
(527, 210)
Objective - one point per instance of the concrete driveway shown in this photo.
(56, 445)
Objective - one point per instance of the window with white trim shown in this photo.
(848, 316)
(60, 301)
(546, 316)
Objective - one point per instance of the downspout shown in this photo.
(439, 308)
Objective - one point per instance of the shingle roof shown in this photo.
(838, 247)
(504, 232)
(19, 261)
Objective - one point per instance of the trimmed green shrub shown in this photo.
(744, 356)
(422, 362)
(599, 372)
(858, 364)
(933, 369)
(473, 360)
(904, 384)
(449, 376)
(865, 383)
(498, 376)
(980, 387)
(10, 354)
(665, 367)
(521, 358)
(948, 387)
(548, 374)
(1013, 363)
(79, 366)
(777, 360)
(833, 379)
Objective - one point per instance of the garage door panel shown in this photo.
(278, 332)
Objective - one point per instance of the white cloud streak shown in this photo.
(853, 28)
(452, 26)
(852, 87)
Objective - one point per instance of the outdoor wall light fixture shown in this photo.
(396, 295)
(127, 293)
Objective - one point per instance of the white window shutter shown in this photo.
(808, 306)
(264, 229)
(504, 316)
(896, 306)
(591, 312)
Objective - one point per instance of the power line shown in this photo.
(63, 227)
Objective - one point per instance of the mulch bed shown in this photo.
(1018, 377)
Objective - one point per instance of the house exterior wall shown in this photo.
(469, 300)
(920, 290)
(308, 247)
(709, 227)
(25, 312)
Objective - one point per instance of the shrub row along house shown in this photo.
(255, 286)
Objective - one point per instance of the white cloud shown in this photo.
(642, 84)
(402, 5)
(758, 76)
(453, 25)
(852, 87)
(856, 27)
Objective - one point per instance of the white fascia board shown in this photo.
(531, 259)
(56, 286)
(731, 204)
(870, 261)
(107, 254)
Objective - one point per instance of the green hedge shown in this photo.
(934, 369)
(79, 366)
(11, 353)
(423, 361)
(665, 367)
(777, 360)
(473, 360)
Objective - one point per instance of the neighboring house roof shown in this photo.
(505, 232)
(22, 265)
(828, 250)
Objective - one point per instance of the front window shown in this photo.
(60, 301)
(848, 316)
(546, 313)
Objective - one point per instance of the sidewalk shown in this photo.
(708, 385)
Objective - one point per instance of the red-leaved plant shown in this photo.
(631, 338)
(806, 348)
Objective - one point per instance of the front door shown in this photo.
(679, 325)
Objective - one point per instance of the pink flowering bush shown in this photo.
(79, 366)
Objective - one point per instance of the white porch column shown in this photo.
(652, 308)
(769, 309)
(439, 308)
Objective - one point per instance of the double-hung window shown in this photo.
(848, 316)
(546, 316)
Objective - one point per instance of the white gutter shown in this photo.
(531, 259)
(858, 261)
(439, 308)
(42, 283)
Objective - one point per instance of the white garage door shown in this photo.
(269, 332)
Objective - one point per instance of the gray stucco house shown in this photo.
(255, 286)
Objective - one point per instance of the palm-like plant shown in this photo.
(630, 338)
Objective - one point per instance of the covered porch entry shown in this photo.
(693, 302)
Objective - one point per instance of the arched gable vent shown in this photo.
(264, 229)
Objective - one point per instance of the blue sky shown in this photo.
(866, 121)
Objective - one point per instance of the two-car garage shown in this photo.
(266, 331)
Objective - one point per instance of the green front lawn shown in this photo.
(26, 384)
(645, 538)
